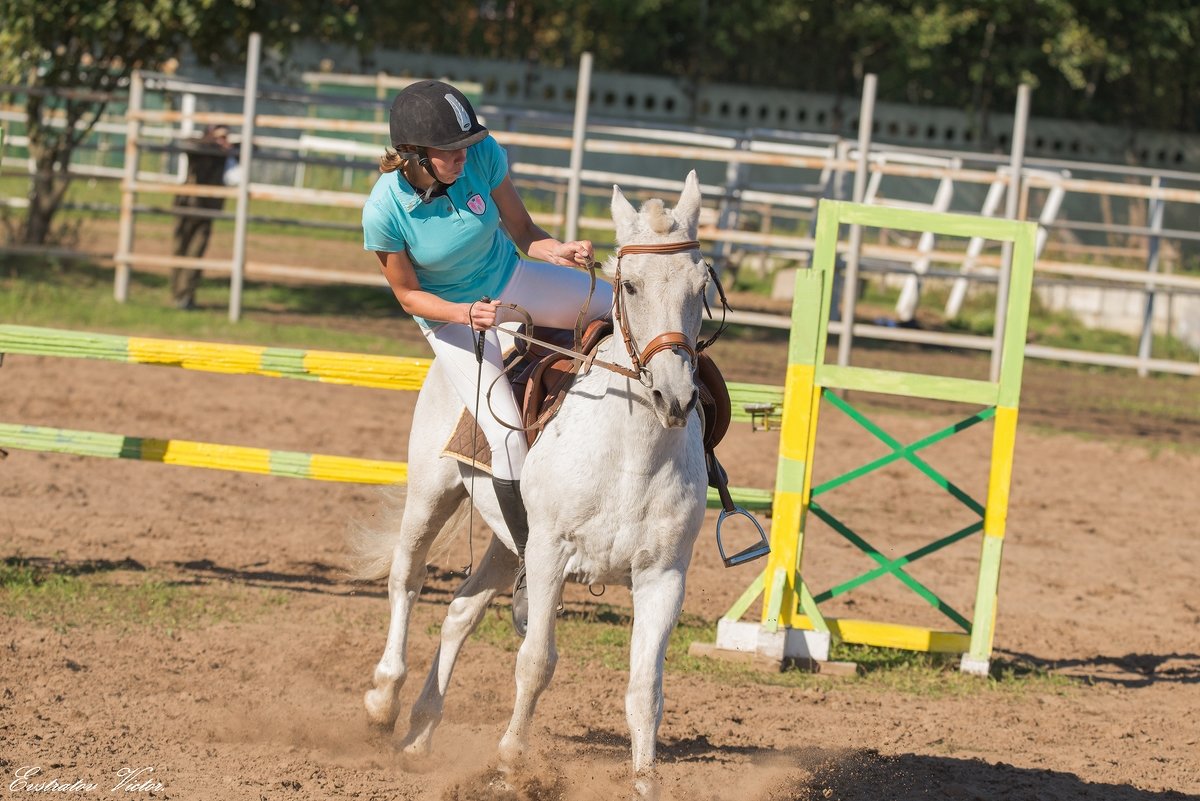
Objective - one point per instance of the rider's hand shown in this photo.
(577, 253)
(481, 315)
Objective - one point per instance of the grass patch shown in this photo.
(1061, 329)
(600, 638)
(119, 595)
(759, 283)
(921, 673)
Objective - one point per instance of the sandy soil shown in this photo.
(261, 698)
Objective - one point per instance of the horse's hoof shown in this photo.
(382, 709)
(499, 784)
(646, 788)
(510, 752)
(415, 760)
(417, 744)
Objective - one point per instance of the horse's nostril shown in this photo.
(695, 399)
(658, 396)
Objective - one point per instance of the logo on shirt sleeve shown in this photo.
(476, 203)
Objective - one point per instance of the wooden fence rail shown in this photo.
(723, 228)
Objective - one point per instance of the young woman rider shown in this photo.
(449, 228)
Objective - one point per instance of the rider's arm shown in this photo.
(398, 269)
(530, 237)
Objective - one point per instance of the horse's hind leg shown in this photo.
(470, 603)
(657, 599)
(424, 513)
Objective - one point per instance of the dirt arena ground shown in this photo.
(211, 637)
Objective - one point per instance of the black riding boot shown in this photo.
(508, 493)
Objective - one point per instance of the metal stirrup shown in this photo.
(755, 551)
(718, 479)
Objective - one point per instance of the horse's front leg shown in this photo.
(404, 585)
(544, 568)
(657, 599)
(495, 572)
(424, 511)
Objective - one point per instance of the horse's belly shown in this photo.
(589, 564)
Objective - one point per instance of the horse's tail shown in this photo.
(373, 543)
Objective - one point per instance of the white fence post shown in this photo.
(910, 291)
(578, 133)
(866, 116)
(187, 129)
(125, 231)
(958, 291)
(1156, 223)
(243, 194)
(729, 211)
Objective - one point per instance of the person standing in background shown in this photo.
(208, 160)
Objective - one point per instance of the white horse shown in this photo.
(614, 489)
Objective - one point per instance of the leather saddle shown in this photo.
(542, 382)
(541, 378)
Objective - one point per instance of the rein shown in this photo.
(670, 340)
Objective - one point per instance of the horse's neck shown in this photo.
(612, 350)
(641, 413)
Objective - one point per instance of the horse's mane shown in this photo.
(656, 217)
(653, 219)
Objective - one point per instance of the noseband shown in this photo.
(671, 340)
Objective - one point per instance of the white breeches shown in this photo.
(553, 296)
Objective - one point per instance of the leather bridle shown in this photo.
(674, 341)
(671, 340)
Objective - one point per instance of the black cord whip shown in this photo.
(479, 343)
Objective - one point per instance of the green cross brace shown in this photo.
(908, 454)
(896, 566)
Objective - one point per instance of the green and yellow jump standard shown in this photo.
(791, 624)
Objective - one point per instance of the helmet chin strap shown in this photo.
(438, 187)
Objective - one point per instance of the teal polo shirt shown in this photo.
(455, 242)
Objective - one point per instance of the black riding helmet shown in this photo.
(434, 114)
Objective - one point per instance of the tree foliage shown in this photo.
(1123, 62)
(66, 58)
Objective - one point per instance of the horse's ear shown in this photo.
(624, 215)
(687, 211)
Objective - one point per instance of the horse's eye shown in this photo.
(629, 288)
